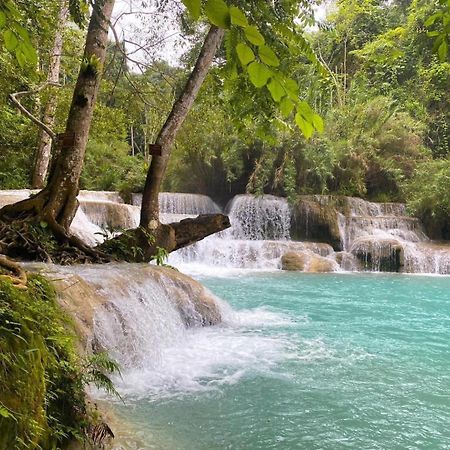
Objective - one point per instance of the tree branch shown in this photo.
(14, 98)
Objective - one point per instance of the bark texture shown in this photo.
(56, 203)
(43, 152)
(167, 135)
(141, 245)
(189, 231)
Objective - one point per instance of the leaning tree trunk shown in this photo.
(57, 203)
(43, 152)
(167, 135)
(152, 235)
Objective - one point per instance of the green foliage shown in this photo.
(161, 256)
(110, 167)
(16, 38)
(42, 403)
(427, 191)
(439, 25)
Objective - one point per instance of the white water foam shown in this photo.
(162, 358)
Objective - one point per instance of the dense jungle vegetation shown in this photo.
(385, 102)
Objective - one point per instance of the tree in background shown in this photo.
(43, 152)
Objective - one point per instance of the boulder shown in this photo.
(379, 254)
(307, 262)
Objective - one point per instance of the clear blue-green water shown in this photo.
(306, 361)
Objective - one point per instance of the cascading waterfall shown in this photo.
(259, 218)
(258, 237)
(151, 321)
(373, 236)
(389, 240)
(381, 236)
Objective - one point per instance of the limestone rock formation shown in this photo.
(378, 254)
(315, 218)
(307, 262)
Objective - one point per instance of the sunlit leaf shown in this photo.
(286, 106)
(318, 123)
(245, 54)
(218, 13)
(254, 36)
(10, 40)
(276, 90)
(238, 17)
(193, 6)
(259, 74)
(305, 127)
(268, 56)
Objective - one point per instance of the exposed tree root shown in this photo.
(12, 271)
(28, 238)
(29, 231)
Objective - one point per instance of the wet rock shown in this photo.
(307, 262)
(378, 254)
(315, 218)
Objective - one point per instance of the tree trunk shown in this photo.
(167, 135)
(140, 245)
(43, 152)
(189, 231)
(57, 203)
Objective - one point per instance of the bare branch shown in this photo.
(14, 98)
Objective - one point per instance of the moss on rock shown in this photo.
(42, 399)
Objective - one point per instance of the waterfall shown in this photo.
(259, 218)
(258, 238)
(151, 321)
(365, 235)
(179, 203)
(135, 310)
(382, 236)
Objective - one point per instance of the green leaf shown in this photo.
(318, 123)
(218, 13)
(23, 33)
(6, 414)
(259, 74)
(268, 56)
(2, 19)
(276, 90)
(306, 111)
(10, 40)
(245, 54)
(291, 88)
(29, 52)
(21, 58)
(432, 19)
(286, 107)
(433, 33)
(193, 6)
(238, 17)
(254, 36)
(305, 127)
(443, 50)
(43, 224)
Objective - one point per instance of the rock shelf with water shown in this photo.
(353, 234)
